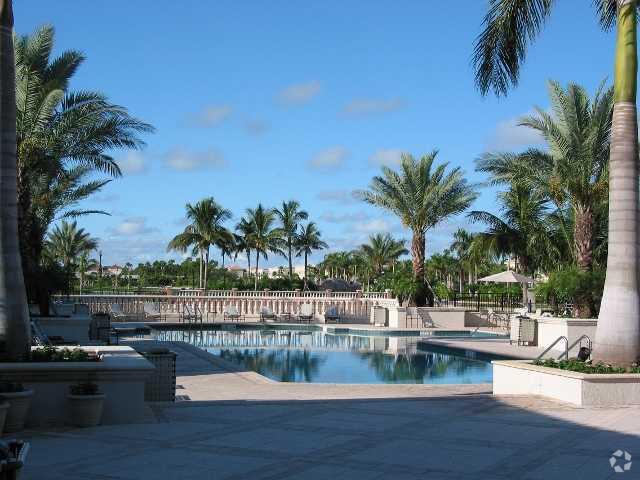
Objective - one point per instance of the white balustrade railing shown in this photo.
(350, 305)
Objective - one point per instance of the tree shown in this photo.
(573, 172)
(15, 339)
(522, 233)
(206, 229)
(265, 238)
(83, 266)
(307, 242)
(421, 196)
(462, 243)
(243, 239)
(289, 217)
(500, 50)
(66, 244)
(382, 251)
(62, 142)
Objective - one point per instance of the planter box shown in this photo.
(121, 375)
(520, 377)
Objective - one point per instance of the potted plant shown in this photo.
(19, 400)
(86, 403)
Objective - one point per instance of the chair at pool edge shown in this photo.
(152, 311)
(231, 312)
(117, 313)
(331, 315)
(306, 313)
(267, 314)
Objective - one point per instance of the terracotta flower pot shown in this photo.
(19, 403)
(4, 408)
(86, 410)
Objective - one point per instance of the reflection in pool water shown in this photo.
(317, 357)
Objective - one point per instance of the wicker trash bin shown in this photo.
(161, 385)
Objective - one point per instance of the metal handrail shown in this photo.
(578, 341)
(566, 352)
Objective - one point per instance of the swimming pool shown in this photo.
(315, 356)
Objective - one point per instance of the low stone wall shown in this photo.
(72, 329)
(550, 328)
(520, 377)
(121, 375)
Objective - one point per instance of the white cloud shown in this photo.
(337, 196)
(299, 93)
(133, 162)
(369, 106)
(211, 115)
(106, 198)
(329, 159)
(132, 226)
(256, 127)
(347, 217)
(389, 157)
(182, 159)
(508, 135)
(377, 225)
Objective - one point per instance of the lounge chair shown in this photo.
(117, 313)
(306, 313)
(331, 315)
(231, 313)
(267, 313)
(152, 311)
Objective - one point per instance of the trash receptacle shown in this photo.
(161, 385)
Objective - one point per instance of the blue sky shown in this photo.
(268, 101)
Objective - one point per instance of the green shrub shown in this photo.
(571, 285)
(575, 365)
(50, 353)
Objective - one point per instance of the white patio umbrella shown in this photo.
(509, 276)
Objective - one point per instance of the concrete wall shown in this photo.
(121, 376)
(550, 328)
(593, 390)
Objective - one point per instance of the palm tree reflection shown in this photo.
(281, 365)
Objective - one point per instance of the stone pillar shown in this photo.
(397, 317)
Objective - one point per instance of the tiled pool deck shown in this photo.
(238, 425)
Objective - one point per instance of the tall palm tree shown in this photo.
(461, 245)
(307, 241)
(243, 240)
(573, 172)
(64, 141)
(522, 231)
(207, 219)
(289, 216)
(265, 237)
(66, 244)
(422, 196)
(500, 50)
(85, 264)
(382, 251)
(14, 315)
(227, 245)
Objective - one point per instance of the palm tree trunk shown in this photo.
(290, 261)
(14, 315)
(305, 270)
(224, 276)
(249, 261)
(206, 269)
(418, 246)
(583, 236)
(255, 281)
(618, 331)
(200, 273)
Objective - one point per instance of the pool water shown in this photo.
(313, 356)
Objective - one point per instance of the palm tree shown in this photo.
(66, 244)
(265, 238)
(205, 230)
(290, 217)
(462, 242)
(421, 196)
(243, 239)
(522, 231)
(227, 245)
(500, 50)
(15, 339)
(85, 264)
(382, 251)
(62, 142)
(307, 241)
(573, 173)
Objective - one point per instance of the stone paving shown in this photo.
(238, 425)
